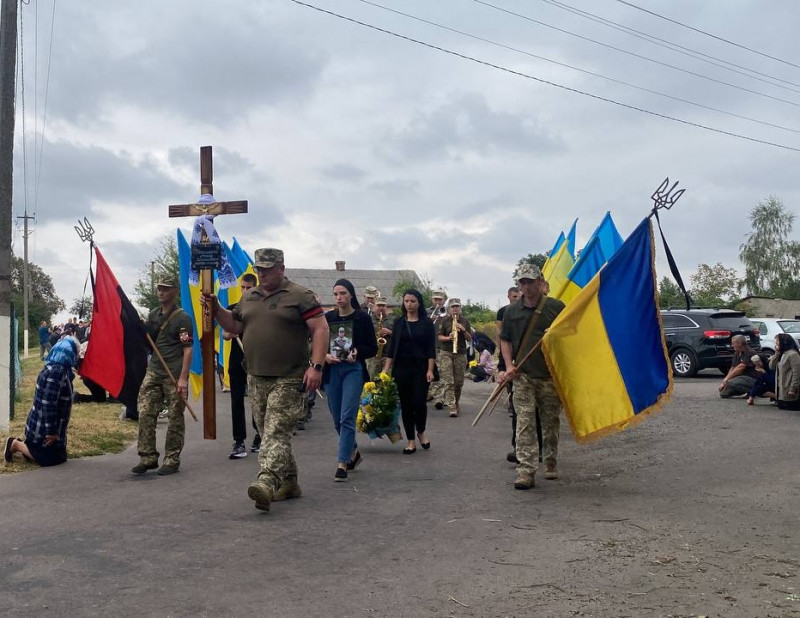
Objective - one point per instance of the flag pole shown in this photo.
(502, 384)
(169, 373)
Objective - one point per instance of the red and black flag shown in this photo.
(116, 357)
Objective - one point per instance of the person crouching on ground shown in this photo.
(46, 428)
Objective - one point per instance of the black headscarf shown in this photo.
(349, 286)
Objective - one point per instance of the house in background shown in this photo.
(321, 281)
(767, 307)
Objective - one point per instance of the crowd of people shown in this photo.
(287, 348)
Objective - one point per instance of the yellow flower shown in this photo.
(369, 387)
(473, 363)
(384, 377)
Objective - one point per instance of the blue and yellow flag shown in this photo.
(606, 350)
(560, 259)
(602, 245)
(190, 301)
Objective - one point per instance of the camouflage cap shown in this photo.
(454, 302)
(371, 290)
(381, 300)
(166, 282)
(439, 294)
(267, 258)
(528, 271)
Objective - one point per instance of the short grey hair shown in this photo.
(739, 339)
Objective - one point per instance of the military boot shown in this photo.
(525, 481)
(287, 490)
(261, 494)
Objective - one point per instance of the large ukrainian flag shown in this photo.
(190, 301)
(606, 350)
(561, 260)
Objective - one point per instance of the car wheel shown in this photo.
(684, 363)
(767, 351)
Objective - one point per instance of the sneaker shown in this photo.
(438, 405)
(141, 467)
(356, 461)
(341, 475)
(260, 494)
(238, 451)
(301, 425)
(286, 491)
(168, 469)
(512, 457)
(524, 481)
(550, 472)
(256, 445)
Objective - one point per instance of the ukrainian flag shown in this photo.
(606, 350)
(601, 246)
(562, 242)
(190, 301)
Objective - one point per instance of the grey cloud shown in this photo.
(397, 189)
(344, 172)
(467, 124)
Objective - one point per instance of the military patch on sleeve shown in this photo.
(184, 336)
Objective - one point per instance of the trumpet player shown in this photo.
(370, 294)
(382, 322)
(454, 334)
(437, 313)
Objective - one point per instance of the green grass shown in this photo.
(94, 428)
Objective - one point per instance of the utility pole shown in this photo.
(8, 68)
(26, 284)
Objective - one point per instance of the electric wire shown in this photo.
(634, 54)
(22, 99)
(676, 47)
(541, 80)
(38, 180)
(574, 68)
(713, 36)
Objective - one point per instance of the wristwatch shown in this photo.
(317, 366)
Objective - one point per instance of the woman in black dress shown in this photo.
(411, 355)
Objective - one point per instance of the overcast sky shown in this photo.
(351, 144)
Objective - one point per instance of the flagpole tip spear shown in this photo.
(665, 196)
(85, 231)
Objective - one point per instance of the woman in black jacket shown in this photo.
(412, 354)
(352, 343)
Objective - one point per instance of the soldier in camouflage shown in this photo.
(452, 365)
(375, 364)
(437, 313)
(524, 323)
(275, 321)
(171, 329)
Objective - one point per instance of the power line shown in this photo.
(676, 47)
(574, 68)
(38, 179)
(544, 81)
(713, 36)
(634, 54)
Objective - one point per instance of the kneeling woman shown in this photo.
(346, 370)
(46, 428)
(786, 364)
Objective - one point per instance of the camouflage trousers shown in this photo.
(374, 367)
(451, 371)
(436, 391)
(530, 393)
(277, 404)
(156, 394)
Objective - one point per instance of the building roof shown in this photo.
(321, 281)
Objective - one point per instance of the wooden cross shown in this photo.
(206, 280)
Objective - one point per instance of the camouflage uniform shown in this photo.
(452, 365)
(436, 391)
(171, 333)
(277, 406)
(531, 394)
(375, 364)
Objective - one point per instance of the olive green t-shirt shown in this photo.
(171, 340)
(275, 336)
(515, 321)
(445, 328)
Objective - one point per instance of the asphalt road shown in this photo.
(693, 513)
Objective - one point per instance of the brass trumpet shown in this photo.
(455, 334)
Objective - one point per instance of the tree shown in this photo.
(81, 307)
(477, 312)
(165, 265)
(42, 302)
(714, 286)
(669, 294)
(771, 261)
(424, 284)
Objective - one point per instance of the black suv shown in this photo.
(701, 338)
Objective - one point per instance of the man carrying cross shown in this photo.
(276, 320)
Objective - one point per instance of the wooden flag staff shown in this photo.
(169, 373)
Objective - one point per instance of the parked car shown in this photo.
(701, 338)
(769, 327)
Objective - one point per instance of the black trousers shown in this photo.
(238, 380)
(412, 388)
